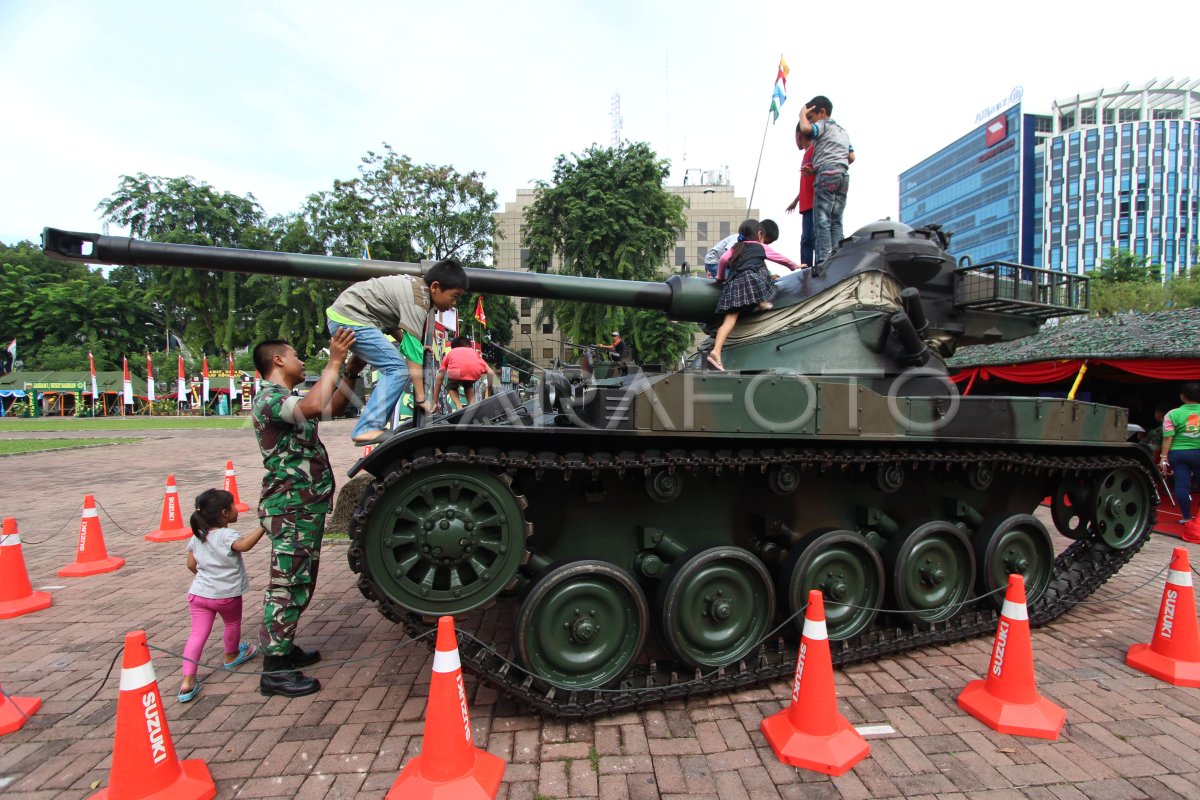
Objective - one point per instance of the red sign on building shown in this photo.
(996, 130)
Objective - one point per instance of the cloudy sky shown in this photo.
(279, 99)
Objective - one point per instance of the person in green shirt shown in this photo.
(1181, 445)
(297, 492)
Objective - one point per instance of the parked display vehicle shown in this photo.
(616, 541)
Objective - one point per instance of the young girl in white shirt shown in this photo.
(215, 556)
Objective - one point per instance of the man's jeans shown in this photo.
(828, 204)
(374, 348)
(1185, 464)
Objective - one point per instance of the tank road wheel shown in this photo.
(932, 568)
(714, 606)
(1017, 544)
(1121, 504)
(847, 570)
(582, 624)
(1068, 508)
(444, 540)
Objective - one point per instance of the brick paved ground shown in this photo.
(1128, 736)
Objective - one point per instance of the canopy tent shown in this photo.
(1136, 360)
(106, 382)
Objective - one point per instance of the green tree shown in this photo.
(605, 215)
(208, 306)
(426, 210)
(55, 309)
(656, 339)
(1126, 282)
(1122, 266)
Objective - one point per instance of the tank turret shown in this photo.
(621, 540)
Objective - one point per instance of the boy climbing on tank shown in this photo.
(399, 305)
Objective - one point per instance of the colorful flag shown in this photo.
(126, 383)
(366, 253)
(11, 358)
(480, 317)
(204, 380)
(180, 389)
(92, 367)
(779, 95)
(149, 379)
(231, 383)
(257, 381)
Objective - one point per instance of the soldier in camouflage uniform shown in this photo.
(297, 493)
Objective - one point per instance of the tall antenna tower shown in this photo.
(614, 116)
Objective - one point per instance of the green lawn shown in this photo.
(11, 425)
(11, 446)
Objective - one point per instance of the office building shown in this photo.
(711, 207)
(1114, 168)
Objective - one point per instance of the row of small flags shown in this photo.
(180, 382)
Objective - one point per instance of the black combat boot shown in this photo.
(285, 680)
(303, 658)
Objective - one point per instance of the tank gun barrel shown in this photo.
(684, 299)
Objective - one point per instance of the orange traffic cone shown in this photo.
(92, 557)
(449, 764)
(171, 527)
(1173, 655)
(1007, 700)
(16, 711)
(17, 596)
(231, 487)
(810, 733)
(144, 764)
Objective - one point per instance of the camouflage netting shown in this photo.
(1159, 335)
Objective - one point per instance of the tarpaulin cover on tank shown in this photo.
(865, 290)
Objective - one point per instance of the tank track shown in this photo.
(1078, 570)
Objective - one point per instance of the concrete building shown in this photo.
(1113, 168)
(713, 211)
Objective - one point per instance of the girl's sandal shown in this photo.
(190, 694)
(715, 364)
(246, 651)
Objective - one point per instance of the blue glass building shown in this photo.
(1110, 169)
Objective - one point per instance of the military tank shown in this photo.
(624, 539)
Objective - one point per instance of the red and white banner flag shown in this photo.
(257, 381)
(149, 379)
(180, 389)
(231, 383)
(204, 381)
(126, 383)
(92, 367)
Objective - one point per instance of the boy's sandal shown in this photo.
(715, 364)
(246, 651)
(190, 694)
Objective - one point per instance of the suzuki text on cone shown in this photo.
(449, 764)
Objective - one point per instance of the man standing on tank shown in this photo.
(296, 495)
(832, 156)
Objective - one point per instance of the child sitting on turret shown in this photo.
(748, 285)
